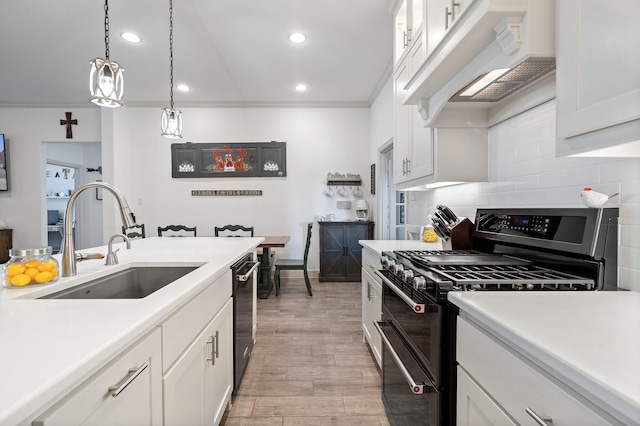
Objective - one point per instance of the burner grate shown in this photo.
(501, 277)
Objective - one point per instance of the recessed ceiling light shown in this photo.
(301, 87)
(131, 37)
(183, 87)
(297, 37)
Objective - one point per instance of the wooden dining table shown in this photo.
(266, 284)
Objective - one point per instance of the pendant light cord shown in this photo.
(106, 28)
(171, 51)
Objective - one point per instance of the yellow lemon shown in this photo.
(15, 269)
(32, 272)
(44, 277)
(21, 280)
(47, 265)
(32, 263)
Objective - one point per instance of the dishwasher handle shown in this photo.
(245, 276)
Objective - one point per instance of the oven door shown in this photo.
(408, 392)
(420, 323)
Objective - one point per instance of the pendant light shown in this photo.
(171, 125)
(106, 80)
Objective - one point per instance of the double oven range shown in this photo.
(513, 250)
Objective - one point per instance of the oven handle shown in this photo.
(246, 275)
(418, 308)
(416, 387)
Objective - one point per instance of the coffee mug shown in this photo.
(343, 192)
(328, 192)
(329, 217)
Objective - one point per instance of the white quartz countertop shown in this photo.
(388, 245)
(49, 346)
(588, 340)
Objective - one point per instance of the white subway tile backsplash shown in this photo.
(524, 172)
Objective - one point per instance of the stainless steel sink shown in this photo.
(132, 283)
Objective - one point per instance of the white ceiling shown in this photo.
(230, 52)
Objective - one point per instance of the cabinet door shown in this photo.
(353, 250)
(371, 311)
(401, 134)
(474, 407)
(198, 386)
(126, 392)
(332, 251)
(218, 383)
(599, 65)
(400, 30)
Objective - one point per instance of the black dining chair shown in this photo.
(295, 264)
(135, 231)
(176, 231)
(233, 231)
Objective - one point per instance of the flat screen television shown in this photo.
(4, 175)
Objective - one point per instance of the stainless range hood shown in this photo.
(495, 86)
(513, 38)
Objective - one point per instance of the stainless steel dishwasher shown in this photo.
(243, 272)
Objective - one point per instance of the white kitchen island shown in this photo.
(51, 347)
(571, 357)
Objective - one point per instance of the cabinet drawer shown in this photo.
(179, 330)
(127, 391)
(370, 260)
(516, 385)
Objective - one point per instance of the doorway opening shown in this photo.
(387, 193)
(68, 166)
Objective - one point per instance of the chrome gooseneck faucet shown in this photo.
(68, 251)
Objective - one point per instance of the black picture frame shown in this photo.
(373, 179)
(228, 159)
(4, 163)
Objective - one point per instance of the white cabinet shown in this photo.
(127, 391)
(441, 15)
(474, 406)
(198, 387)
(597, 79)
(371, 302)
(449, 155)
(409, 16)
(412, 147)
(514, 390)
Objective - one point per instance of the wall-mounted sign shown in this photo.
(226, 192)
(215, 160)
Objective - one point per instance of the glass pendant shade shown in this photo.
(106, 83)
(171, 126)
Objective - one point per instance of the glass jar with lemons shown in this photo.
(30, 266)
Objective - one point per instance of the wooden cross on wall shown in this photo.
(68, 122)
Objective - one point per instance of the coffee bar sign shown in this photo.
(216, 160)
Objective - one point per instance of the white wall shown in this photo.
(27, 130)
(319, 141)
(524, 172)
(381, 133)
(136, 159)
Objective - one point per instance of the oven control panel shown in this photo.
(538, 224)
(563, 228)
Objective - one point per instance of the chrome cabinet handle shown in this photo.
(368, 291)
(405, 39)
(416, 387)
(418, 308)
(133, 373)
(453, 10)
(408, 168)
(446, 17)
(215, 349)
(542, 421)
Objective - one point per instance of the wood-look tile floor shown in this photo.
(310, 366)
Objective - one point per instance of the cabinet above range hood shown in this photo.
(492, 51)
